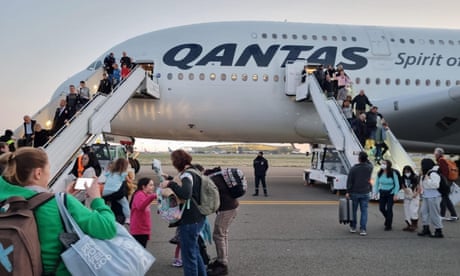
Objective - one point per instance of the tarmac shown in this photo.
(296, 231)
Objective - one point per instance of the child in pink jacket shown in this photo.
(141, 224)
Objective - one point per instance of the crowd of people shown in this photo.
(432, 186)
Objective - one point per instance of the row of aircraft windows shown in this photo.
(354, 39)
(276, 78)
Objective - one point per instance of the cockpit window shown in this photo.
(95, 65)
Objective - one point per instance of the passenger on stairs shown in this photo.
(84, 93)
(116, 75)
(105, 85)
(73, 100)
(61, 116)
(359, 102)
(125, 60)
(359, 127)
(380, 146)
(343, 81)
(346, 109)
(41, 135)
(372, 118)
(125, 70)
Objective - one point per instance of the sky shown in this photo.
(45, 42)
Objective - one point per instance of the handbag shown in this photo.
(454, 193)
(121, 255)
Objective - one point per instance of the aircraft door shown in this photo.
(379, 42)
(293, 76)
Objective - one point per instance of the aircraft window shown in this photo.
(427, 82)
(294, 36)
(201, 76)
(244, 77)
(392, 40)
(412, 41)
(353, 39)
(448, 83)
(398, 81)
(344, 38)
(191, 76)
(438, 82)
(234, 77)
(285, 36)
(417, 82)
(212, 76)
(358, 81)
(180, 76)
(441, 42)
(276, 78)
(387, 81)
(223, 76)
(334, 38)
(314, 37)
(451, 42)
(402, 40)
(170, 76)
(304, 37)
(264, 35)
(368, 80)
(407, 81)
(255, 77)
(274, 36)
(431, 41)
(324, 38)
(265, 77)
(377, 81)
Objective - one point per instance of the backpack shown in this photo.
(209, 194)
(452, 174)
(236, 181)
(168, 205)
(443, 188)
(19, 241)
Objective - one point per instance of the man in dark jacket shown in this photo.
(105, 85)
(29, 126)
(360, 101)
(358, 189)
(61, 116)
(260, 165)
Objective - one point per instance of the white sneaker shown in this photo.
(352, 230)
(363, 233)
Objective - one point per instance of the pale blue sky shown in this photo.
(45, 42)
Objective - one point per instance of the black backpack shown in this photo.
(444, 188)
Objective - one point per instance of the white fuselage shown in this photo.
(226, 81)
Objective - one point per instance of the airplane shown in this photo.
(227, 81)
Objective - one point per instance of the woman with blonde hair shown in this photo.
(27, 172)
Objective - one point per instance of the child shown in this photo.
(177, 261)
(141, 224)
(114, 179)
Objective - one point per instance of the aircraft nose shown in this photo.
(454, 93)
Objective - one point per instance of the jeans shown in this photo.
(220, 234)
(446, 203)
(191, 257)
(261, 179)
(386, 206)
(361, 200)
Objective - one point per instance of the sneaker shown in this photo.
(177, 263)
(352, 230)
(363, 233)
(174, 240)
(453, 219)
(444, 218)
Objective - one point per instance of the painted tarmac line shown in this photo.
(287, 202)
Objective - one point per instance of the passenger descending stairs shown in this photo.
(89, 122)
(342, 136)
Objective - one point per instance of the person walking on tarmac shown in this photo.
(260, 165)
(446, 203)
(358, 188)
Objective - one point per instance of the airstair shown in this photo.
(339, 131)
(87, 124)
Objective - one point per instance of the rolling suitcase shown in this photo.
(345, 210)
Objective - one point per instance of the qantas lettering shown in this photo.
(185, 56)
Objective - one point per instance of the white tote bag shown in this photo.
(454, 193)
(121, 255)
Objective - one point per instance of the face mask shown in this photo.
(407, 175)
(383, 166)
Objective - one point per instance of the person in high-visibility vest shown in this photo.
(9, 139)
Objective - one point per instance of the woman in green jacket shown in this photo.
(27, 172)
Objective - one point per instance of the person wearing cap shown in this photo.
(260, 165)
(358, 189)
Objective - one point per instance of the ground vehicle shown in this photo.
(327, 167)
(106, 153)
